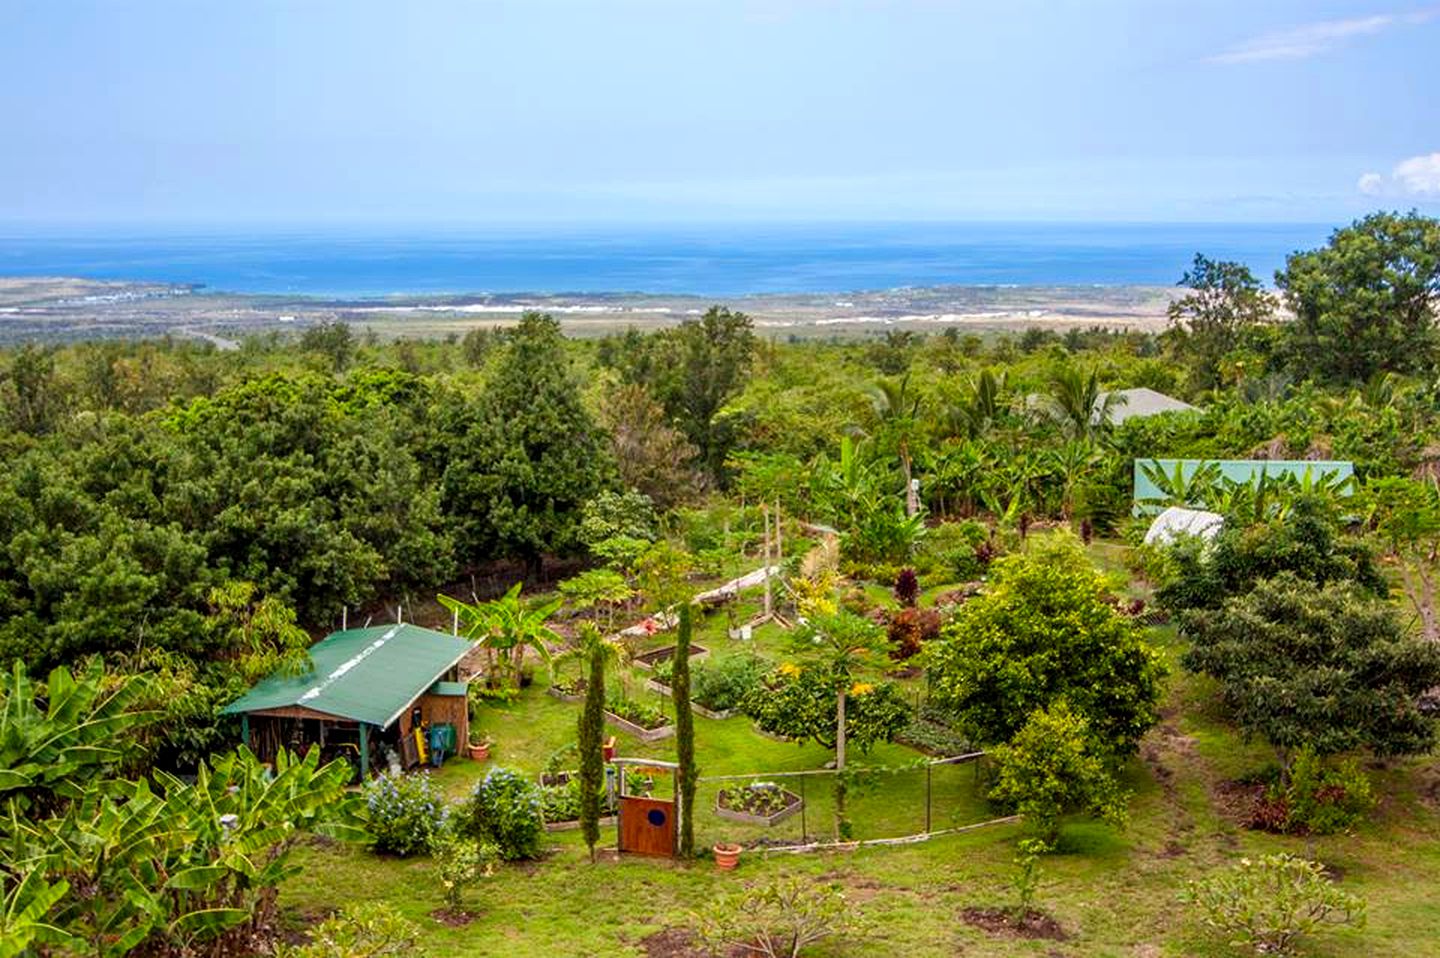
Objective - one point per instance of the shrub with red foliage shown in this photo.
(1269, 813)
(907, 587)
(910, 629)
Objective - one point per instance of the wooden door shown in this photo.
(647, 826)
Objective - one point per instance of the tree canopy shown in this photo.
(1044, 631)
(1320, 666)
(1365, 302)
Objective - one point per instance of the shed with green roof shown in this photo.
(361, 695)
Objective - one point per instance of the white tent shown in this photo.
(1175, 522)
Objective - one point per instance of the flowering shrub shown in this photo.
(405, 813)
(799, 703)
(505, 810)
(462, 864)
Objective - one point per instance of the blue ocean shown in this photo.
(710, 261)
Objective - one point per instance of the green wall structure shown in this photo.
(1236, 470)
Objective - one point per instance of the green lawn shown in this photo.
(1115, 891)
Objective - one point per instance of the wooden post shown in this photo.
(803, 833)
(928, 767)
(779, 540)
(364, 752)
(344, 617)
(765, 559)
(245, 730)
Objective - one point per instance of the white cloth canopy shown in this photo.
(1175, 522)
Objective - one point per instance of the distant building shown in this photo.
(1132, 403)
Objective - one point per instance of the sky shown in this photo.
(311, 113)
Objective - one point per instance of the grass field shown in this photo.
(1115, 891)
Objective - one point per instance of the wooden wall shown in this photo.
(454, 709)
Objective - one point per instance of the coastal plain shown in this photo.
(65, 309)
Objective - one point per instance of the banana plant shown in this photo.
(1178, 488)
(507, 626)
(1070, 462)
(24, 915)
(49, 753)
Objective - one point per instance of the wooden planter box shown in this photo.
(695, 706)
(573, 824)
(764, 734)
(553, 692)
(647, 660)
(643, 734)
(793, 807)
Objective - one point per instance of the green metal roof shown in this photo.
(368, 675)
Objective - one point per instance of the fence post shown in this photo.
(803, 836)
(928, 767)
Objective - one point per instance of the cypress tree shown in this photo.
(592, 727)
(684, 733)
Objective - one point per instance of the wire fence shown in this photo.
(798, 810)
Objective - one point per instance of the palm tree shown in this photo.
(983, 404)
(507, 626)
(1077, 402)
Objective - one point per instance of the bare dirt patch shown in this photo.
(1004, 923)
(858, 888)
(679, 943)
(454, 917)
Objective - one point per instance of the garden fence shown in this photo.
(796, 809)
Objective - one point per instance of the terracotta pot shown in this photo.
(479, 753)
(608, 749)
(727, 856)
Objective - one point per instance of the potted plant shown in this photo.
(727, 856)
(479, 749)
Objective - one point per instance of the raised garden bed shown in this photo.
(644, 734)
(648, 660)
(755, 727)
(573, 693)
(760, 803)
(695, 706)
(570, 826)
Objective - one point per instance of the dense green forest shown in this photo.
(197, 517)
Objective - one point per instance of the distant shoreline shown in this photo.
(59, 309)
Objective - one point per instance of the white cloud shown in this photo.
(1418, 177)
(1312, 39)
